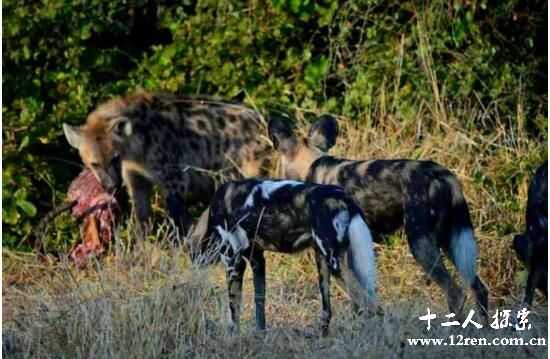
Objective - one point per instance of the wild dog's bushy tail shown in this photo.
(463, 247)
(361, 258)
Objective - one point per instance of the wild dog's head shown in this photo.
(99, 139)
(298, 153)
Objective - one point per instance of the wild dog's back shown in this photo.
(284, 216)
(276, 209)
(381, 187)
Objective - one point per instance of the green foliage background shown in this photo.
(61, 57)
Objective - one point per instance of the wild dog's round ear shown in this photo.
(73, 135)
(323, 132)
(121, 127)
(281, 135)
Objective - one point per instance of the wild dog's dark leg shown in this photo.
(532, 281)
(429, 257)
(360, 300)
(539, 262)
(479, 288)
(324, 285)
(543, 283)
(234, 275)
(178, 213)
(257, 261)
(424, 249)
(346, 281)
(357, 303)
(140, 192)
(482, 297)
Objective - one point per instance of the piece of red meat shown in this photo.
(98, 211)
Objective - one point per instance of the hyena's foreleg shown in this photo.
(257, 262)
(178, 213)
(139, 189)
(324, 286)
(198, 242)
(174, 184)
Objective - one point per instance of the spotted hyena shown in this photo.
(251, 216)
(532, 246)
(422, 196)
(183, 144)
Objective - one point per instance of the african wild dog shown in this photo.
(532, 246)
(172, 141)
(421, 195)
(251, 216)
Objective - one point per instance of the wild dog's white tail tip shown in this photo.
(464, 253)
(361, 255)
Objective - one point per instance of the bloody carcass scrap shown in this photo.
(98, 211)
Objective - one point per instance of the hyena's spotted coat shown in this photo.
(249, 217)
(422, 196)
(173, 141)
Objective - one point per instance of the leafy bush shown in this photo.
(364, 59)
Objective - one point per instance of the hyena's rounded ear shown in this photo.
(121, 127)
(73, 135)
(281, 135)
(323, 132)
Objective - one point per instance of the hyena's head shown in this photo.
(94, 141)
(298, 152)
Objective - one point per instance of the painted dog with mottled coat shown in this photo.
(180, 143)
(251, 216)
(532, 246)
(422, 196)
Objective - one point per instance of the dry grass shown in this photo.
(156, 305)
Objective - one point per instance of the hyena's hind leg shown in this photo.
(140, 190)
